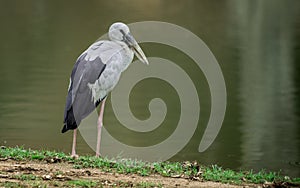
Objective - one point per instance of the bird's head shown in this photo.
(120, 32)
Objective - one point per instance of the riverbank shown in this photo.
(31, 168)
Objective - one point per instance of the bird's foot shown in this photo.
(98, 155)
(75, 156)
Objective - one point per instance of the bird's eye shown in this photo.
(121, 30)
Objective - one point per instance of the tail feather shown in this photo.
(65, 128)
(69, 121)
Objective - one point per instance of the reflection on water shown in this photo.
(256, 43)
(267, 86)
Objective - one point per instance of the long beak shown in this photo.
(136, 49)
(140, 54)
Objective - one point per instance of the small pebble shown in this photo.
(47, 177)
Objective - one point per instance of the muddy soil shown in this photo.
(35, 174)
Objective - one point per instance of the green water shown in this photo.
(255, 42)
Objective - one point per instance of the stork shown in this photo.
(95, 73)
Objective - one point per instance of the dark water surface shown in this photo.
(257, 44)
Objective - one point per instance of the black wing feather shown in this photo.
(79, 102)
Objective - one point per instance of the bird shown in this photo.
(95, 73)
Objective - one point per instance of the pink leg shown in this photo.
(100, 124)
(73, 154)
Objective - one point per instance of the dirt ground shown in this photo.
(34, 173)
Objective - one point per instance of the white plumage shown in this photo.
(95, 73)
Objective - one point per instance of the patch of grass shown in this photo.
(191, 170)
(23, 184)
(82, 183)
(216, 173)
(25, 177)
(19, 153)
(35, 183)
(148, 184)
(9, 184)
